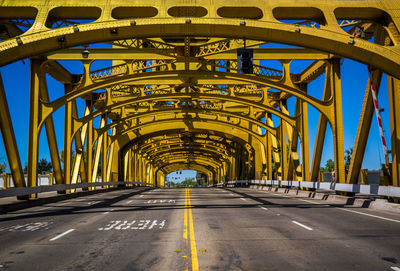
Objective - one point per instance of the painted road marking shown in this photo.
(375, 216)
(108, 211)
(129, 201)
(185, 234)
(28, 227)
(141, 196)
(61, 235)
(263, 208)
(195, 262)
(302, 225)
(243, 199)
(160, 201)
(142, 224)
(356, 212)
(59, 205)
(395, 268)
(309, 201)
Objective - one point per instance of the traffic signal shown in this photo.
(244, 61)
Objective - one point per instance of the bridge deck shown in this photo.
(240, 229)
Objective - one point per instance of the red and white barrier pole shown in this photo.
(378, 115)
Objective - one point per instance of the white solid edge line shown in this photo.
(313, 202)
(301, 225)
(62, 234)
(395, 268)
(375, 216)
(108, 211)
(356, 212)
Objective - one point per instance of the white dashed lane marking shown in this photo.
(302, 225)
(61, 235)
(243, 199)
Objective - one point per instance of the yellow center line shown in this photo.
(185, 235)
(195, 262)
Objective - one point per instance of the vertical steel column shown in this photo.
(104, 157)
(394, 108)
(321, 131)
(363, 130)
(79, 163)
(68, 138)
(34, 106)
(283, 143)
(337, 121)
(10, 145)
(110, 159)
(293, 135)
(305, 147)
(89, 145)
(98, 150)
(268, 148)
(275, 150)
(130, 166)
(51, 135)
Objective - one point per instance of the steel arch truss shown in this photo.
(176, 100)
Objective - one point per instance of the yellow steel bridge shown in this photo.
(174, 97)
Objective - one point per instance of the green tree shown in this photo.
(201, 178)
(3, 168)
(42, 166)
(347, 158)
(329, 166)
(188, 182)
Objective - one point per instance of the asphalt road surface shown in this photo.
(198, 229)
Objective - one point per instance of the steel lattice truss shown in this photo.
(173, 98)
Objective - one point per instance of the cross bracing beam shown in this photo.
(160, 54)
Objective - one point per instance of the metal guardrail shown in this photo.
(373, 189)
(11, 192)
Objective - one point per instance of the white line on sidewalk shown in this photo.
(356, 212)
(301, 225)
(309, 201)
(108, 211)
(62, 234)
(243, 199)
(375, 216)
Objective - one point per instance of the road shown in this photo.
(198, 229)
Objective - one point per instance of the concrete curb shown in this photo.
(361, 201)
(19, 205)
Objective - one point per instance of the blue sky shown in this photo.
(180, 176)
(354, 78)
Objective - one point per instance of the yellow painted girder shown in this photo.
(145, 54)
(330, 38)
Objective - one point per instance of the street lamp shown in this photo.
(85, 53)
